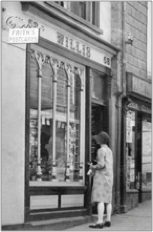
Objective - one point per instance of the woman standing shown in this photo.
(103, 180)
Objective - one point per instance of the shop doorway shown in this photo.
(99, 123)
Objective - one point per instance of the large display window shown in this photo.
(56, 111)
(146, 154)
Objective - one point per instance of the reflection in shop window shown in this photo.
(60, 154)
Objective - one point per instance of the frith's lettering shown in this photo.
(73, 45)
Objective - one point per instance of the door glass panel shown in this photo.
(99, 90)
(99, 123)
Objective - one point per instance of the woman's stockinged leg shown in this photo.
(100, 208)
(109, 211)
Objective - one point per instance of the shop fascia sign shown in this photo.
(23, 35)
(139, 86)
(138, 107)
(82, 49)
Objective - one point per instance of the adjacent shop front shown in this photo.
(138, 140)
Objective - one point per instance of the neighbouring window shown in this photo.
(56, 151)
(85, 10)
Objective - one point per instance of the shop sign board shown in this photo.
(143, 108)
(23, 35)
(82, 48)
(139, 86)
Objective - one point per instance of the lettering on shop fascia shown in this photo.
(17, 22)
(143, 108)
(77, 47)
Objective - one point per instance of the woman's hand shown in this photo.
(93, 167)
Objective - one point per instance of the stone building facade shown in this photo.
(129, 32)
(87, 59)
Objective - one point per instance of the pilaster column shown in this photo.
(55, 66)
(40, 61)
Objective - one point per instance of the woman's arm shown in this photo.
(101, 160)
(97, 167)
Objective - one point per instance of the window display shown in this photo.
(56, 129)
(130, 150)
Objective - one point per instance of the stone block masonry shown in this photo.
(136, 24)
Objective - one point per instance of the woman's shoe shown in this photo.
(97, 226)
(108, 224)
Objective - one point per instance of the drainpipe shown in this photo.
(121, 158)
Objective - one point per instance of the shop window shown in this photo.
(130, 150)
(56, 108)
(146, 154)
(85, 10)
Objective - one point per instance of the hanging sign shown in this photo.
(23, 35)
(128, 136)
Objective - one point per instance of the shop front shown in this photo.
(138, 141)
(63, 85)
(68, 79)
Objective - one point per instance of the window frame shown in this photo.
(82, 119)
(85, 22)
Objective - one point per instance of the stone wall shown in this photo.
(136, 24)
(146, 195)
(132, 199)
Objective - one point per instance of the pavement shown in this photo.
(137, 219)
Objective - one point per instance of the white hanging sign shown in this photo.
(128, 136)
(23, 35)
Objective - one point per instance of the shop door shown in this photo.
(99, 123)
